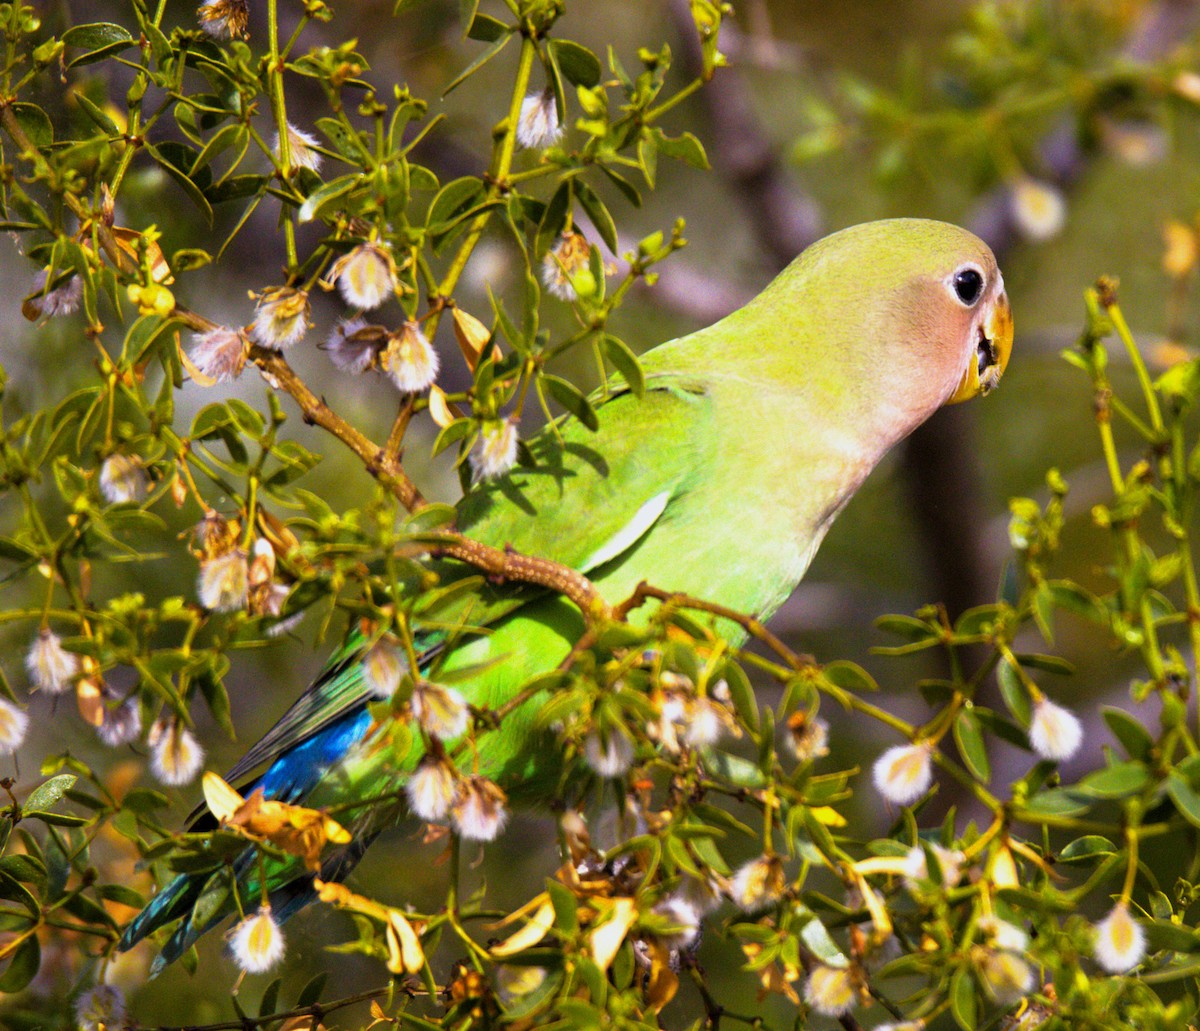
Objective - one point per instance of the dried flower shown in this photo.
(1038, 208)
(479, 810)
(51, 667)
(61, 300)
(807, 736)
(830, 990)
(122, 479)
(122, 724)
(366, 276)
(904, 772)
(431, 789)
(566, 269)
(758, 883)
(218, 355)
(225, 19)
(14, 724)
(100, 1007)
(409, 359)
(302, 152)
(1054, 732)
(257, 942)
(609, 754)
(495, 451)
(1120, 941)
(353, 344)
(539, 127)
(224, 582)
(384, 666)
(175, 754)
(441, 711)
(280, 317)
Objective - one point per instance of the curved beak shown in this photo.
(992, 350)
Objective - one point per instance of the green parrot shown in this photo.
(719, 483)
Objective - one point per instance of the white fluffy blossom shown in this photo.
(904, 772)
(257, 942)
(280, 317)
(1054, 732)
(495, 450)
(51, 667)
(1120, 941)
(830, 990)
(175, 754)
(219, 353)
(224, 582)
(122, 479)
(302, 152)
(538, 126)
(480, 811)
(409, 359)
(431, 789)
(14, 725)
(365, 276)
(1039, 208)
(99, 1008)
(610, 754)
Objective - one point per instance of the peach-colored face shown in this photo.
(992, 329)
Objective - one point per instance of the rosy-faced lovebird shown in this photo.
(719, 483)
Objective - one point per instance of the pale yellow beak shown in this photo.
(991, 354)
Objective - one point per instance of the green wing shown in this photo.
(590, 497)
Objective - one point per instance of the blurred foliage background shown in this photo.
(994, 115)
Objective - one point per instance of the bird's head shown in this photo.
(980, 291)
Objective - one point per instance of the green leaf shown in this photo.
(97, 114)
(1086, 849)
(1117, 781)
(98, 41)
(346, 140)
(849, 676)
(1166, 934)
(1185, 797)
(906, 626)
(487, 29)
(968, 735)
(578, 65)
(23, 966)
(46, 795)
(570, 397)
(625, 362)
(964, 1003)
(1054, 802)
(1127, 729)
(453, 201)
(685, 148)
(598, 213)
(317, 201)
(35, 123)
(236, 187)
(311, 992)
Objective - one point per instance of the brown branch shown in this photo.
(379, 462)
(644, 592)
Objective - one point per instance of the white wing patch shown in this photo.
(629, 534)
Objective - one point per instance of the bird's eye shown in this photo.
(968, 285)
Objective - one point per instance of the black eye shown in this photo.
(968, 285)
